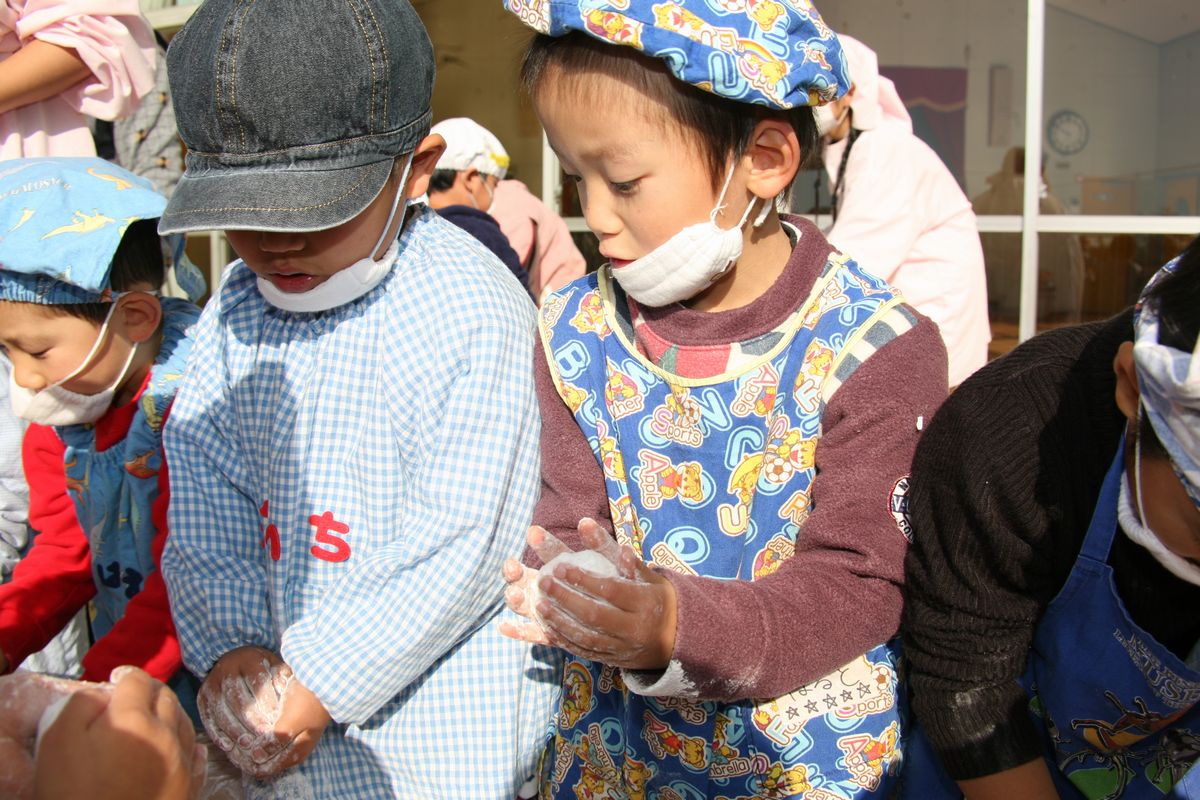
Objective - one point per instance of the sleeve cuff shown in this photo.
(669, 682)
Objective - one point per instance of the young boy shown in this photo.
(735, 404)
(96, 360)
(357, 443)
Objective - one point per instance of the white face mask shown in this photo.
(688, 262)
(56, 405)
(1135, 527)
(826, 121)
(349, 284)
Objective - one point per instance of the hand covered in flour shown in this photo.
(258, 713)
(127, 741)
(24, 698)
(622, 614)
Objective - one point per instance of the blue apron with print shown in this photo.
(114, 490)
(1120, 712)
(712, 477)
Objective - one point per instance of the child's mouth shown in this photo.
(292, 281)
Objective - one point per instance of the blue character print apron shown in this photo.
(1120, 712)
(114, 490)
(712, 477)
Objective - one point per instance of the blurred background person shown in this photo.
(899, 212)
(1060, 256)
(462, 188)
(59, 65)
(540, 237)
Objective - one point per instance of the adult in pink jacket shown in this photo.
(62, 61)
(901, 214)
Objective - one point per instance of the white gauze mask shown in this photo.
(690, 261)
(57, 405)
(349, 284)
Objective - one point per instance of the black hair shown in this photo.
(720, 126)
(1175, 299)
(138, 260)
(442, 179)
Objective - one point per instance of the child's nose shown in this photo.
(280, 241)
(28, 379)
(599, 216)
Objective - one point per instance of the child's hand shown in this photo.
(24, 697)
(626, 621)
(240, 702)
(302, 721)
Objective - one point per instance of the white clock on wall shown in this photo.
(1067, 132)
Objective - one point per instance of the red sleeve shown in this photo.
(54, 580)
(145, 635)
(572, 481)
(839, 595)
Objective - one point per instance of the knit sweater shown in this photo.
(1003, 487)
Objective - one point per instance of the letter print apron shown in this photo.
(712, 477)
(1119, 711)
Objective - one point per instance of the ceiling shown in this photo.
(1157, 21)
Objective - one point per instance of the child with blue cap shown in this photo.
(96, 360)
(356, 447)
(729, 411)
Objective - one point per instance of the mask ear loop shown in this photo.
(87, 360)
(395, 204)
(1137, 467)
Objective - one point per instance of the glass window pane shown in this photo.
(1122, 104)
(1107, 277)
(1002, 261)
(959, 67)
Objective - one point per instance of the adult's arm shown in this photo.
(112, 43)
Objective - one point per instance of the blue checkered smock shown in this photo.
(344, 488)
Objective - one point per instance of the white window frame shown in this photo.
(1030, 223)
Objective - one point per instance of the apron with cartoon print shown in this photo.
(1120, 712)
(712, 477)
(114, 489)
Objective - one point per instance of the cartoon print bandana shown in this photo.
(61, 220)
(1169, 382)
(776, 53)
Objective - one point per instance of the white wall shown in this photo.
(1179, 103)
(1112, 79)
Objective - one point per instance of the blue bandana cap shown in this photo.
(775, 53)
(61, 220)
(1169, 384)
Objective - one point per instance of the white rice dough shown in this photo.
(587, 560)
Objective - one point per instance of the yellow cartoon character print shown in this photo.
(664, 740)
(621, 394)
(780, 782)
(590, 318)
(576, 694)
(869, 758)
(614, 27)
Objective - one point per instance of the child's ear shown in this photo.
(772, 159)
(1127, 394)
(140, 315)
(424, 161)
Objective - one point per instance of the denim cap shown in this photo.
(470, 145)
(63, 219)
(1169, 385)
(775, 53)
(293, 111)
